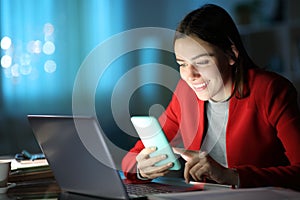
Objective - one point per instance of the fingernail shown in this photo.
(202, 154)
(153, 148)
(164, 156)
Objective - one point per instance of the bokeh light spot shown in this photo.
(6, 61)
(48, 48)
(5, 43)
(50, 66)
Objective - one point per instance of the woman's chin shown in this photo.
(203, 97)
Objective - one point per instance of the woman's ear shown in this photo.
(236, 55)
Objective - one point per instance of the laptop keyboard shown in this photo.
(152, 188)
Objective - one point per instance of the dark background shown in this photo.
(270, 30)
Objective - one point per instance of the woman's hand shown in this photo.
(146, 164)
(199, 165)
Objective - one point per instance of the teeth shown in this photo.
(200, 85)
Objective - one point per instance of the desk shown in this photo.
(34, 184)
(42, 185)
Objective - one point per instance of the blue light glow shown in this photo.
(5, 43)
(48, 48)
(43, 43)
(6, 61)
(50, 66)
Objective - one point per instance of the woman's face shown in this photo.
(205, 68)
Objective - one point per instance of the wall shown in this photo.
(77, 27)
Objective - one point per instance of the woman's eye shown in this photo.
(202, 62)
(182, 64)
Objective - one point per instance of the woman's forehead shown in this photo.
(189, 47)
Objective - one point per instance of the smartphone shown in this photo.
(151, 134)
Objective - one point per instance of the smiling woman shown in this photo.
(205, 68)
(239, 125)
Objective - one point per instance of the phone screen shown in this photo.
(151, 134)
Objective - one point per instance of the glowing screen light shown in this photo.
(5, 43)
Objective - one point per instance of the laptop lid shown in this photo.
(69, 144)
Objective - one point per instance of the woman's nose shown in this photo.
(192, 72)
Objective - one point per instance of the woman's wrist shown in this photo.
(232, 177)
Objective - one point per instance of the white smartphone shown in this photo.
(151, 134)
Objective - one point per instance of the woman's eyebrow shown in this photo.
(201, 55)
(198, 56)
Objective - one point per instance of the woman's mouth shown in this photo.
(201, 86)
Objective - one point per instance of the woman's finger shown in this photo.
(187, 155)
(188, 166)
(145, 153)
(152, 172)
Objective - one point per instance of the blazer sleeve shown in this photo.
(129, 164)
(278, 103)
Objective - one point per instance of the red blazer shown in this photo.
(262, 134)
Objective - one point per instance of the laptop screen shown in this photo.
(78, 155)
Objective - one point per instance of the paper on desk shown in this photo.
(268, 193)
(28, 164)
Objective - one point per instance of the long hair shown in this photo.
(214, 25)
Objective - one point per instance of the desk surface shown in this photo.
(42, 185)
(52, 192)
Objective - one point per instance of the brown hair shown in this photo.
(214, 25)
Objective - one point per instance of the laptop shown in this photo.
(77, 151)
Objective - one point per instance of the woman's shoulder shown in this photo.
(266, 84)
(260, 78)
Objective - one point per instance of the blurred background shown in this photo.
(44, 43)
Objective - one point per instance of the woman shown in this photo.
(239, 125)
